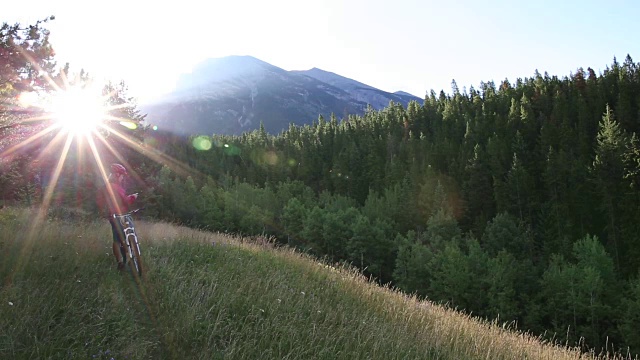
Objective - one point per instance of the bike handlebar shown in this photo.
(130, 212)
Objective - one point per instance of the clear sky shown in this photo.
(409, 45)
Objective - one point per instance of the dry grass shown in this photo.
(450, 331)
(214, 296)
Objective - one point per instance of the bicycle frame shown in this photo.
(129, 231)
(130, 237)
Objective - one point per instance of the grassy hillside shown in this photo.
(211, 296)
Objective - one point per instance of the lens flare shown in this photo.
(79, 115)
(78, 110)
(270, 157)
(202, 143)
(129, 125)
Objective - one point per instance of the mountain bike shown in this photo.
(130, 239)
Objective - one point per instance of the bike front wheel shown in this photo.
(135, 255)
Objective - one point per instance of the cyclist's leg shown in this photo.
(118, 252)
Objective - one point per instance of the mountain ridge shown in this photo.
(234, 94)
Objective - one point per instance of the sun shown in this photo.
(78, 110)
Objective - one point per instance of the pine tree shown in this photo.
(519, 186)
(478, 192)
(608, 172)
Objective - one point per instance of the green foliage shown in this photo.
(412, 270)
(632, 161)
(630, 317)
(25, 57)
(255, 220)
(608, 173)
(506, 233)
(28, 194)
(312, 230)
(477, 191)
(582, 294)
(337, 230)
(287, 190)
(503, 275)
(442, 228)
(371, 248)
(519, 186)
(293, 216)
(451, 277)
(209, 207)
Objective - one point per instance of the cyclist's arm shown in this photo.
(126, 199)
(131, 198)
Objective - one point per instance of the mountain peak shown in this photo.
(233, 94)
(233, 59)
(333, 78)
(215, 70)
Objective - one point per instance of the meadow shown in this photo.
(215, 296)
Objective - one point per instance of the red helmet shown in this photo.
(118, 169)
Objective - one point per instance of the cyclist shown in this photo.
(112, 199)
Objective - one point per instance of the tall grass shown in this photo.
(212, 296)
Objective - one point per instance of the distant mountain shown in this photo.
(404, 93)
(359, 91)
(231, 95)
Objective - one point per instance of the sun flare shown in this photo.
(78, 110)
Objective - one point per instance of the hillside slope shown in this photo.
(211, 296)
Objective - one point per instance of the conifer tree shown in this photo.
(608, 171)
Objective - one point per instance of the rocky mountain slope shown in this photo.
(234, 94)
